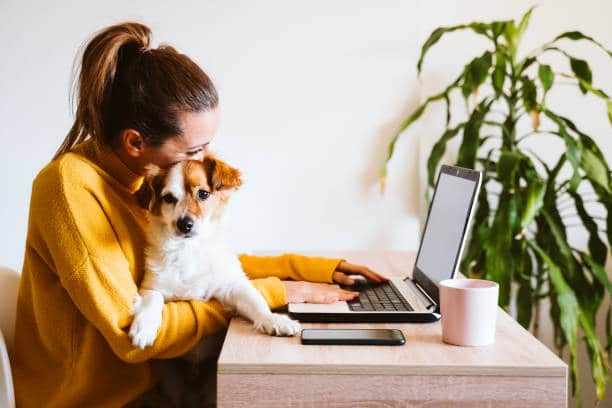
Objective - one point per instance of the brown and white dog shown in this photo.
(188, 256)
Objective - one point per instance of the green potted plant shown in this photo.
(520, 235)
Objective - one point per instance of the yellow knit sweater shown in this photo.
(83, 263)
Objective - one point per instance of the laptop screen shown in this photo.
(446, 226)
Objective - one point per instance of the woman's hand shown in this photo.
(310, 292)
(344, 269)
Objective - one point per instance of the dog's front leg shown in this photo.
(147, 311)
(248, 302)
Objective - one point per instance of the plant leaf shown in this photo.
(562, 252)
(595, 169)
(589, 88)
(524, 22)
(568, 307)
(573, 148)
(448, 110)
(529, 94)
(411, 119)
(589, 295)
(599, 368)
(497, 28)
(598, 271)
(609, 330)
(499, 73)
(524, 297)
(473, 263)
(510, 35)
(524, 302)
(500, 263)
(434, 37)
(534, 200)
(577, 35)
(507, 168)
(597, 92)
(595, 166)
(467, 152)
(526, 63)
(582, 70)
(546, 76)
(596, 246)
(475, 73)
(438, 151)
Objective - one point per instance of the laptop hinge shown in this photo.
(424, 292)
(421, 292)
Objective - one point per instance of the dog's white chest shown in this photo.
(190, 271)
(186, 281)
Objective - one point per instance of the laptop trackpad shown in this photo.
(338, 307)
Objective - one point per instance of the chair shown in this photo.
(9, 286)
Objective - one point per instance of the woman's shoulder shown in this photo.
(69, 169)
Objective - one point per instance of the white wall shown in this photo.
(311, 93)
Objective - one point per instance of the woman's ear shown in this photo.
(145, 196)
(221, 176)
(132, 142)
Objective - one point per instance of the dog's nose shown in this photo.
(185, 224)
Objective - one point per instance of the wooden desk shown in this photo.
(517, 371)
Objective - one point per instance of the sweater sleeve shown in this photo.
(75, 236)
(290, 266)
(272, 290)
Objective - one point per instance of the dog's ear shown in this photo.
(221, 176)
(145, 196)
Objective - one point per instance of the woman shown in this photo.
(84, 250)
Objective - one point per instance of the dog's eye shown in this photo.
(169, 198)
(203, 195)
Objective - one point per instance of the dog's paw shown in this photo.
(143, 330)
(136, 305)
(277, 325)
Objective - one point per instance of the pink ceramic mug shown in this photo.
(469, 310)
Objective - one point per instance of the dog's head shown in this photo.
(187, 197)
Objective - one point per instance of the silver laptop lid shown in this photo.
(446, 227)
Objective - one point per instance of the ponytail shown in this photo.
(122, 83)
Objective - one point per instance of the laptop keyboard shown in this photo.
(378, 297)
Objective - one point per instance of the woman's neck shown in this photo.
(130, 162)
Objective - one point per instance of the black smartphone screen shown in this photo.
(381, 337)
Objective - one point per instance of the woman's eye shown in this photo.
(169, 198)
(194, 152)
(203, 195)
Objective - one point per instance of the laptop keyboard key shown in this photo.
(381, 297)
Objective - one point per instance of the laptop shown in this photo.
(413, 298)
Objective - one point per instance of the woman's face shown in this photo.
(199, 128)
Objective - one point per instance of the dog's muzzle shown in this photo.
(185, 225)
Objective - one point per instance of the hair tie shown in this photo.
(144, 49)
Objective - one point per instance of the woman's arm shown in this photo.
(301, 268)
(290, 266)
(71, 232)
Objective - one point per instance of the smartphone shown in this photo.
(379, 337)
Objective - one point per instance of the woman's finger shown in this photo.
(310, 292)
(371, 275)
(348, 295)
(364, 271)
(341, 278)
(340, 296)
